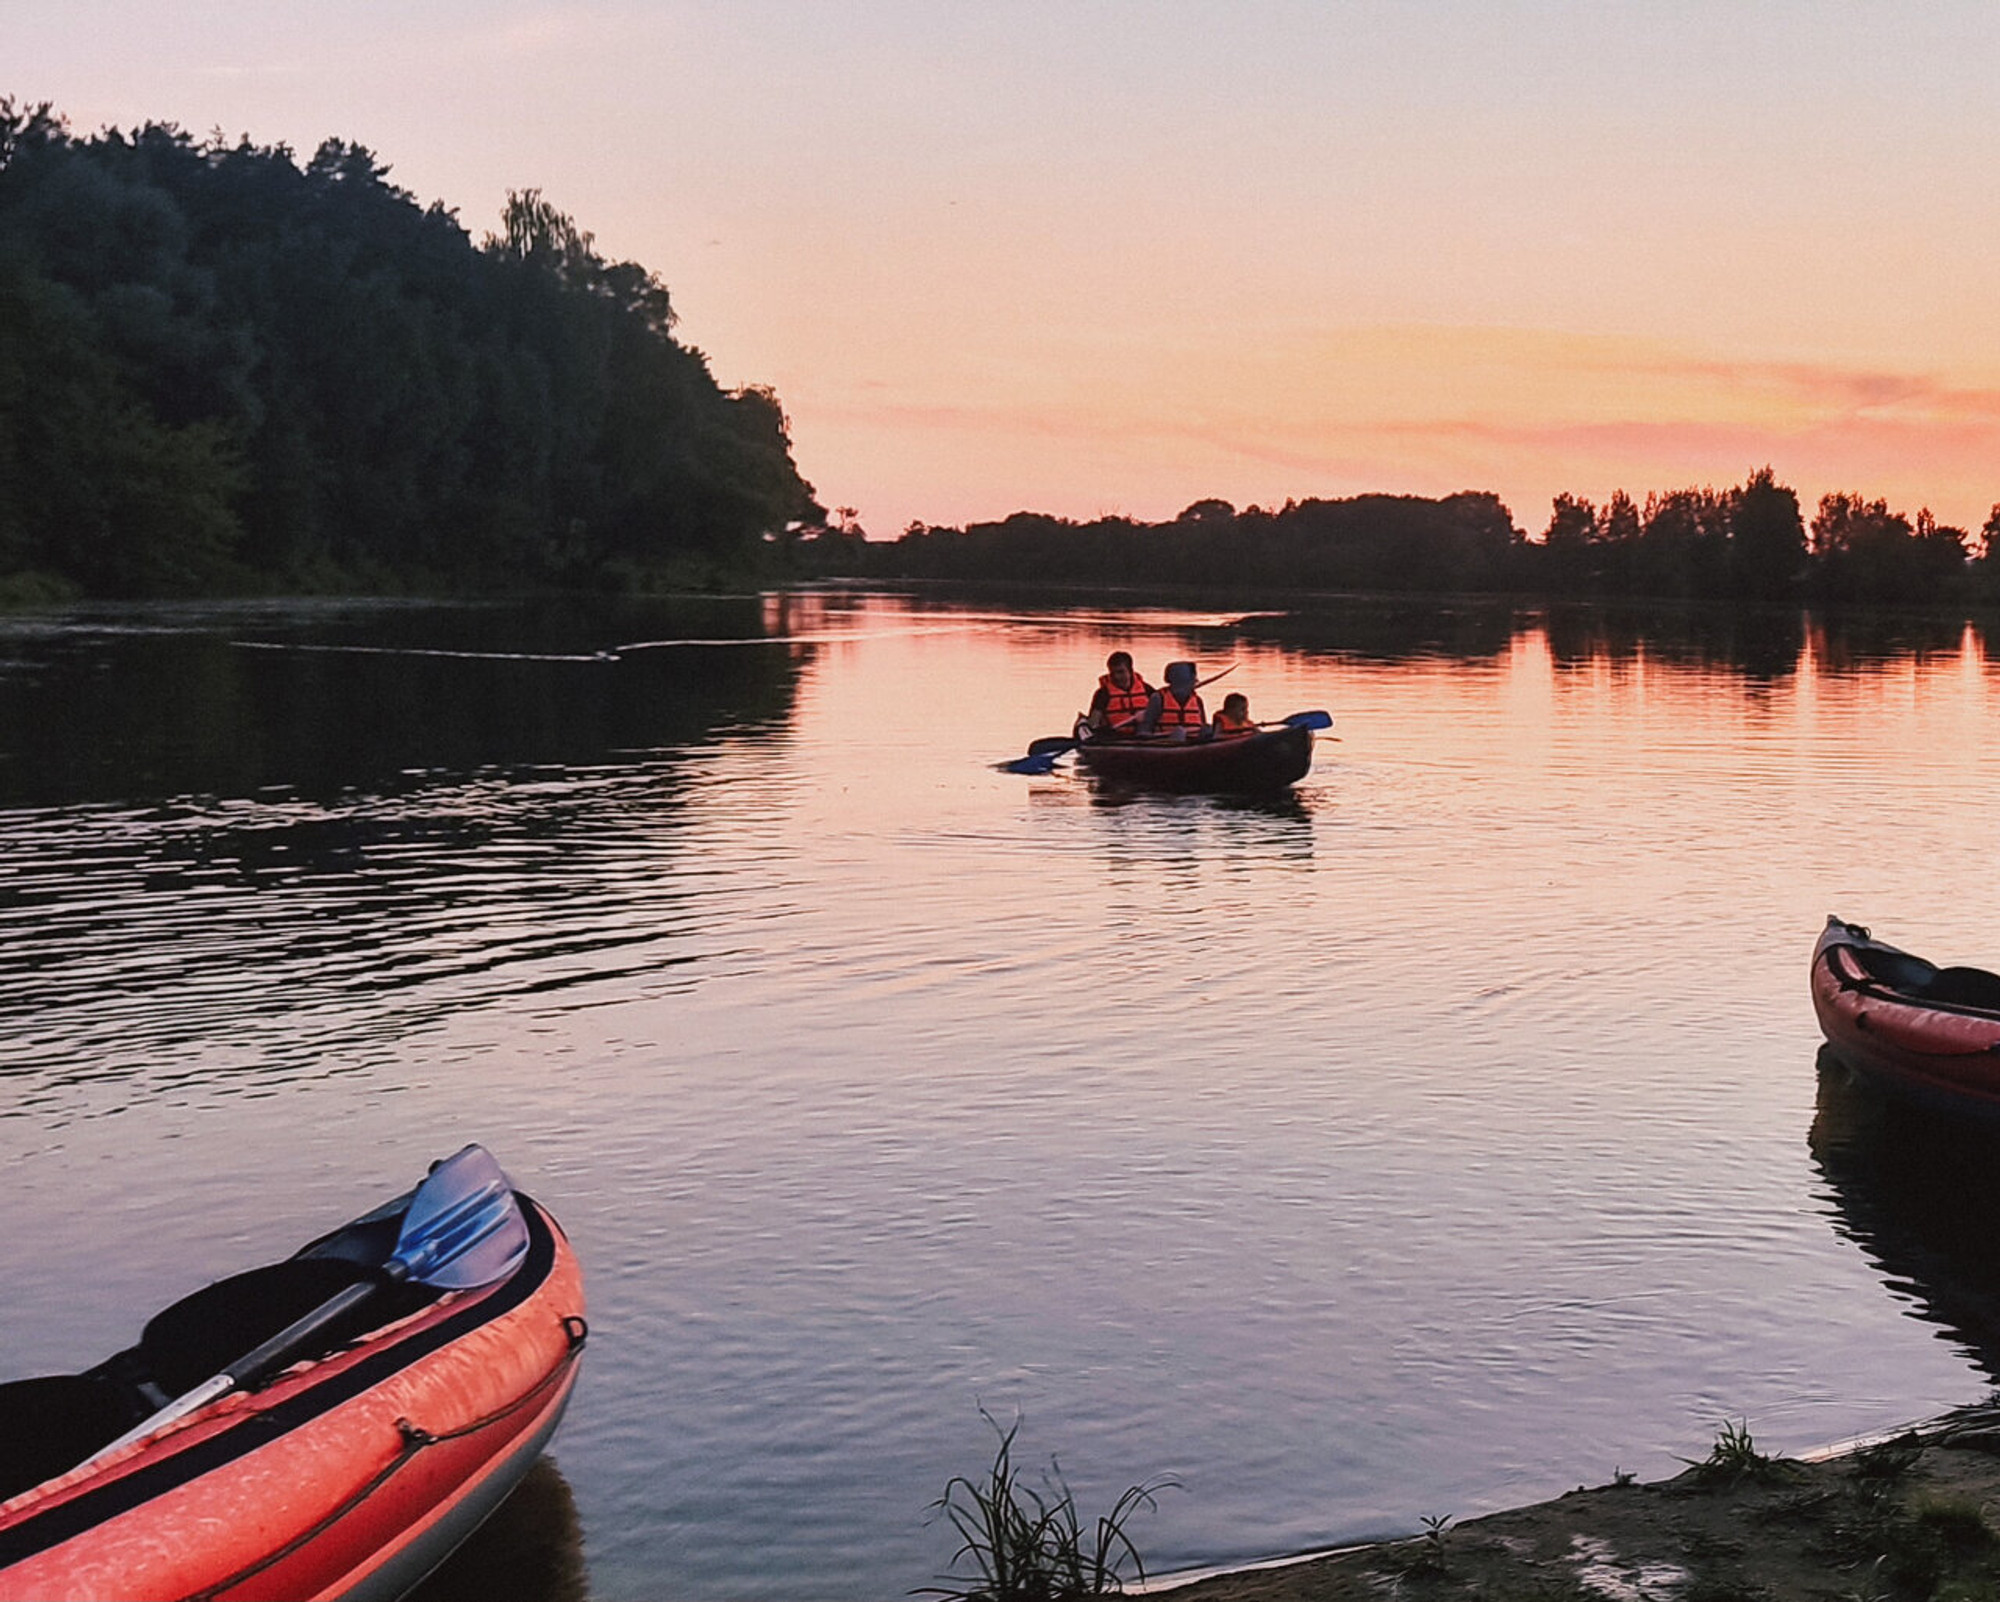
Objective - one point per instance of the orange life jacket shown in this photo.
(1177, 714)
(1122, 707)
(1228, 725)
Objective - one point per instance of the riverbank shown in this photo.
(1916, 1516)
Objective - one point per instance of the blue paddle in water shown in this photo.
(1042, 754)
(463, 1229)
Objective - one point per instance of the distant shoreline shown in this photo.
(1752, 542)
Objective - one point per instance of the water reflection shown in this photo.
(1389, 631)
(111, 705)
(1920, 1194)
(1755, 642)
(1162, 828)
(1284, 806)
(1287, 806)
(380, 815)
(530, 1550)
(1844, 643)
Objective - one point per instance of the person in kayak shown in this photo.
(1234, 718)
(1120, 699)
(1175, 709)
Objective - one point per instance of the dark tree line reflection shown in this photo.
(114, 705)
(1766, 642)
(263, 843)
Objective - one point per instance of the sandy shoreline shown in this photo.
(1916, 1516)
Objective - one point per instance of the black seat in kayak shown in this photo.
(52, 1424)
(1896, 969)
(202, 1334)
(1964, 987)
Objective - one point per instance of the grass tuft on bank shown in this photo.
(1023, 1543)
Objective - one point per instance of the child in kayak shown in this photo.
(1234, 718)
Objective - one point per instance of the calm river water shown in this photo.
(1435, 1139)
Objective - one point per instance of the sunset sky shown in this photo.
(1116, 255)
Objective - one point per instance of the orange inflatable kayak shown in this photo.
(372, 1446)
(1930, 1035)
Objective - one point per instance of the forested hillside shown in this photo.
(223, 369)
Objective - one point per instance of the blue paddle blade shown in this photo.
(464, 1227)
(1309, 720)
(1044, 763)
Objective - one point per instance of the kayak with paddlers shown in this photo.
(1164, 739)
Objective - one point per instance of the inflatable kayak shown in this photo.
(349, 1459)
(1929, 1034)
(1270, 759)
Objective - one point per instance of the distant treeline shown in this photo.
(1747, 543)
(222, 368)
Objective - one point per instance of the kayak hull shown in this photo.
(1271, 759)
(1929, 1035)
(351, 1475)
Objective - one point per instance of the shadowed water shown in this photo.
(1426, 1140)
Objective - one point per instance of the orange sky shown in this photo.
(1117, 255)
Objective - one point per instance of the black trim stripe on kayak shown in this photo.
(68, 1519)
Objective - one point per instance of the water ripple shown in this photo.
(131, 940)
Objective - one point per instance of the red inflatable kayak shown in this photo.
(350, 1472)
(1927, 1033)
(1268, 760)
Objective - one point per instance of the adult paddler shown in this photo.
(1175, 708)
(1120, 699)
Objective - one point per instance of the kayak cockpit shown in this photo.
(50, 1424)
(386, 1404)
(1912, 977)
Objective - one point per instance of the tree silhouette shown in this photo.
(1864, 551)
(221, 368)
(1767, 538)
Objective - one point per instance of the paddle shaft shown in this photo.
(252, 1364)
